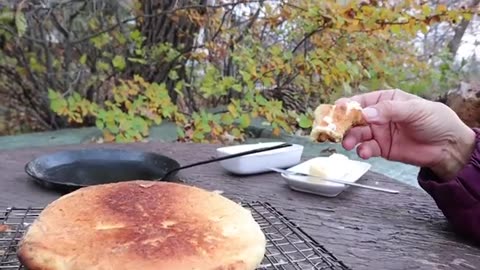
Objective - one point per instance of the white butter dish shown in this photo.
(259, 162)
(352, 170)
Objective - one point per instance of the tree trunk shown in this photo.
(460, 30)
(163, 24)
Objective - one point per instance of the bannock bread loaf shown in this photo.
(143, 225)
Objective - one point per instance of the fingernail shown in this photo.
(370, 113)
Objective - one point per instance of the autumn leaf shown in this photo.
(276, 131)
(441, 8)
(233, 110)
(108, 137)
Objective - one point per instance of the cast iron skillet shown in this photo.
(72, 169)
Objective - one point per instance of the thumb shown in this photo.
(390, 111)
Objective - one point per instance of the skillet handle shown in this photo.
(259, 150)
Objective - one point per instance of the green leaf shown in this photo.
(103, 66)
(100, 41)
(261, 100)
(99, 124)
(121, 138)
(35, 65)
(137, 60)
(71, 101)
(131, 134)
(236, 132)
(267, 82)
(179, 87)
(227, 119)
(395, 29)
(58, 104)
(53, 94)
(237, 87)
(83, 59)
(140, 125)
(93, 23)
(112, 128)
(426, 10)
(119, 62)
(245, 76)
(305, 122)
(120, 37)
(341, 66)
(6, 15)
(244, 120)
(275, 50)
(125, 124)
(20, 23)
(199, 136)
(136, 35)
(180, 132)
(172, 54)
(173, 75)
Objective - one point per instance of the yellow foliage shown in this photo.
(322, 47)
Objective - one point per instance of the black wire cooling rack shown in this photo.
(288, 247)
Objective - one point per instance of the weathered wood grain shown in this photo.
(363, 228)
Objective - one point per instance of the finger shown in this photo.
(394, 111)
(349, 143)
(369, 149)
(342, 100)
(357, 135)
(366, 99)
(372, 98)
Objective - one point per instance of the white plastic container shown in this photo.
(259, 162)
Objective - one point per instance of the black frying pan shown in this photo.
(72, 169)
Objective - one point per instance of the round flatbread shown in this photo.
(143, 225)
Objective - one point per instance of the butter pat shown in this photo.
(338, 157)
(331, 168)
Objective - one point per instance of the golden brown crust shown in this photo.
(331, 122)
(143, 225)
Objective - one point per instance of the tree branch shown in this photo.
(456, 41)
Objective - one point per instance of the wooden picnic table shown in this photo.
(364, 229)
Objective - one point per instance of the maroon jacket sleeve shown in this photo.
(459, 198)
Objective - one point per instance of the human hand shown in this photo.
(409, 129)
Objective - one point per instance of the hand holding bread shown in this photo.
(398, 126)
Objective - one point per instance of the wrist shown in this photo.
(456, 155)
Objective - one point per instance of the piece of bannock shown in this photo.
(331, 122)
